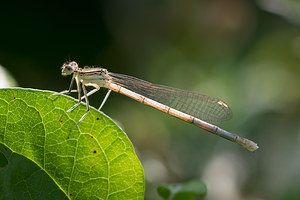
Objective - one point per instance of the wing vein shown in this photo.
(200, 106)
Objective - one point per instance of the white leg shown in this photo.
(87, 107)
(67, 91)
(104, 100)
(62, 92)
(91, 92)
(72, 108)
(77, 104)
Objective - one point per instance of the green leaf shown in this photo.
(23, 179)
(97, 161)
(185, 191)
(3, 160)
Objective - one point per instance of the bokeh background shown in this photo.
(244, 52)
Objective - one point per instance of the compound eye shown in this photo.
(68, 67)
(73, 65)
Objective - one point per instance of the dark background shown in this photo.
(246, 53)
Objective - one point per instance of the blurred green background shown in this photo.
(246, 53)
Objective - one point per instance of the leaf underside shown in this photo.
(97, 161)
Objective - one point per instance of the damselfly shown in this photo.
(191, 107)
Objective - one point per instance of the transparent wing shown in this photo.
(198, 105)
